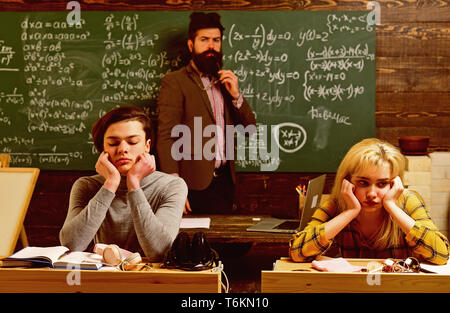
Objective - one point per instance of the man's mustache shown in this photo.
(209, 61)
(215, 54)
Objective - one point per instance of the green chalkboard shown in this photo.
(308, 76)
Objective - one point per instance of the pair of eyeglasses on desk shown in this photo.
(408, 265)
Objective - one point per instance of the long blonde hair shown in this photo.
(365, 153)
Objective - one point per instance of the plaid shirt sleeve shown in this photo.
(311, 242)
(424, 238)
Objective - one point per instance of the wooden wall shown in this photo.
(412, 84)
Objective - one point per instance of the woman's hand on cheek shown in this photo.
(395, 191)
(352, 210)
(105, 168)
(145, 165)
(347, 193)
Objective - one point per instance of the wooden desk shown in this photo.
(288, 276)
(233, 229)
(62, 280)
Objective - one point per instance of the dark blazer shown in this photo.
(180, 100)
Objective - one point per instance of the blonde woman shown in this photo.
(370, 214)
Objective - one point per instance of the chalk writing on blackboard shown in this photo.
(308, 76)
(312, 70)
(290, 137)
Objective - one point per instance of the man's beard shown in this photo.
(208, 65)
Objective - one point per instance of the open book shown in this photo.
(56, 257)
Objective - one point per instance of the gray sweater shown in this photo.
(143, 220)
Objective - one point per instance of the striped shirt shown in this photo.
(423, 241)
(216, 99)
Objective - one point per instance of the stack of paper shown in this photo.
(195, 222)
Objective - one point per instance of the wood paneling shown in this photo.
(413, 39)
(391, 11)
(413, 74)
(438, 136)
(273, 193)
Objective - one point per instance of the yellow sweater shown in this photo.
(423, 241)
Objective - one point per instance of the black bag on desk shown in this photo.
(191, 256)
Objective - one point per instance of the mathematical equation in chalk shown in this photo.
(56, 79)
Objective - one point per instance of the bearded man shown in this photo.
(201, 97)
